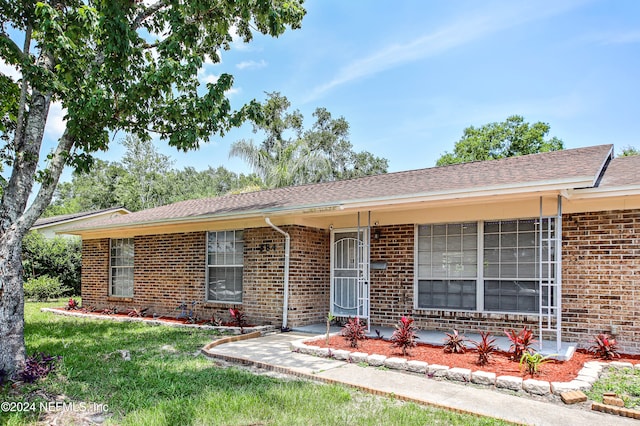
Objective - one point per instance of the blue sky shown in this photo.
(410, 75)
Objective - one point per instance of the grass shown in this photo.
(625, 382)
(168, 382)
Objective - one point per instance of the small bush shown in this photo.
(605, 347)
(72, 305)
(43, 288)
(38, 366)
(485, 347)
(405, 335)
(521, 342)
(354, 331)
(533, 361)
(454, 343)
(238, 318)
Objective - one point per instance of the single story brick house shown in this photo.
(549, 240)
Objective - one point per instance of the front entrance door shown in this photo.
(350, 274)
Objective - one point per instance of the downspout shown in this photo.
(287, 251)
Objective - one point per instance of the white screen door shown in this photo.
(350, 275)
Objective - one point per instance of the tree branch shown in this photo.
(23, 93)
(147, 12)
(47, 188)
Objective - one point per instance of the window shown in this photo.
(225, 256)
(512, 265)
(448, 266)
(121, 270)
(448, 255)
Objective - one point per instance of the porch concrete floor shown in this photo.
(433, 337)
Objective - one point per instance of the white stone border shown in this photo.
(234, 330)
(587, 376)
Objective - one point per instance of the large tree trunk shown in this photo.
(12, 348)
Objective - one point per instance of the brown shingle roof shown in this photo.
(622, 171)
(51, 220)
(571, 168)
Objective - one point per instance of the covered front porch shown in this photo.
(435, 337)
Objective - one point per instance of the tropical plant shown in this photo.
(330, 318)
(38, 366)
(137, 313)
(521, 342)
(605, 347)
(238, 318)
(405, 335)
(455, 343)
(109, 311)
(72, 305)
(532, 361)
(354, 331)
(484, 347)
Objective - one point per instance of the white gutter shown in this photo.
(287, 251)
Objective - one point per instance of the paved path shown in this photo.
(273, 352)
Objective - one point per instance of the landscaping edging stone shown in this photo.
(588, 375)
(262, 329)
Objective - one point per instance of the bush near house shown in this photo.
(44, 288)
(57, 257)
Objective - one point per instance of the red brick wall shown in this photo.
(391, 289)
(601, 276)
(171, 268)
(310, 275)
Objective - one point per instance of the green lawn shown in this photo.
(167, 382)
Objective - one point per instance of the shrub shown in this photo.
(521, 342)
(354, 331)
(238, 318)
(484, 347)
(454, 343)
(56, 257)
(605, 347)
(533, 361)
(43, 288)
(137, 313)
(72, 305)
(405, 335)
(38, 366)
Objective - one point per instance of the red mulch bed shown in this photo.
(147, 317)
(501, 364)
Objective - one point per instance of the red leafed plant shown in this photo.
(605, 346)
(72, 305)
(38, 366)
(137, 313)
(354, 331)
(454, 343)
(485, 347)
(405, 335)
(521, 342)
(238, 318)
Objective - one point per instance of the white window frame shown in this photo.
(209, 266)
(112, 268)
(480, 279)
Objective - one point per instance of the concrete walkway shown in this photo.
(273, 352)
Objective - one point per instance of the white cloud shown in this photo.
(55, 122)
(254, 65)
(466, 30)
(9, 70)
(626, 37)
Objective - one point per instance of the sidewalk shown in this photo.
(273, 352)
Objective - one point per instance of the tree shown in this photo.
(58, 257)
(114, 66)
(510, 138)
(144, 184)
(289, 155)
(628, 151)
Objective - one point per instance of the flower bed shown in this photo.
(555, 377)
(162, 320)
